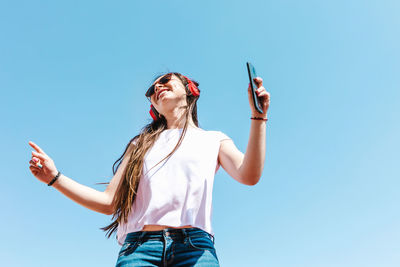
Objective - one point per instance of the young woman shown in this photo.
(161, 193)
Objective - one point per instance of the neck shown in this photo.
(176, 119)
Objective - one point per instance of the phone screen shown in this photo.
(252, 74)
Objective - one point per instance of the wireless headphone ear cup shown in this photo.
(193, 88)
(154, 113)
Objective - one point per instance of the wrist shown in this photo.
(53, 173)
(259, 117)
(258, 120)
(54, 179)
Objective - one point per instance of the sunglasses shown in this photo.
(164, 80)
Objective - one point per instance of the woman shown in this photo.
(160, 195)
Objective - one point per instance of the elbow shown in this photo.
(107, 206)
(250, 176)
(108, 210)
(250, 180)
(253, 181)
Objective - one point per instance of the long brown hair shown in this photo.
(127, 188)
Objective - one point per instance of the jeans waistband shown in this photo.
(172, 232)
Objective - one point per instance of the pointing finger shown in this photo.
(36, 147)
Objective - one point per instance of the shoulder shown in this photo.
(215, 135)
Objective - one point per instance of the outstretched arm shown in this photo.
(44, 169)
(247, 168)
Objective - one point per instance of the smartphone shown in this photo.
(252, 74)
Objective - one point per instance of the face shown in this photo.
(167, 91)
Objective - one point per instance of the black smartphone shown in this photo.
(252, 74)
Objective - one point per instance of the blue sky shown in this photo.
(73, 76)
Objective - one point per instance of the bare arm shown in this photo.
(81, 194)
(247, 168)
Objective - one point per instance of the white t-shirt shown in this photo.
(178, 191)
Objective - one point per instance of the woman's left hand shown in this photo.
(263, 96)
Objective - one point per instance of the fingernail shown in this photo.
(35, 160)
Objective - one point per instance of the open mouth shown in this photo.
(159, 93)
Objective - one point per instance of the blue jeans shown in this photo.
(168, 247)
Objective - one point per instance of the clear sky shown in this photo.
(73, 76)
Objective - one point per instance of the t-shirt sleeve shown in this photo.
(221, 136)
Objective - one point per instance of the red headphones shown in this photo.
(192, 87)
(154, 113)
(193, 90)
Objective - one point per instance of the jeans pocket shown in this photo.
(128, 248)
(202, 242)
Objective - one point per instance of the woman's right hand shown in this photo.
(41, 165)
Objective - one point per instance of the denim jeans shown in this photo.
(168, 247)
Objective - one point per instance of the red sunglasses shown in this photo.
(165, 79)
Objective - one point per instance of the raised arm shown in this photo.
(44, 169)
(247, 168)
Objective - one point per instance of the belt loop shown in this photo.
(142, 234)
(185, 234)
(213, 238)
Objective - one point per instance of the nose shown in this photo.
(157, 87)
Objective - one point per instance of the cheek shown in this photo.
(178, 88)
(181, 91)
